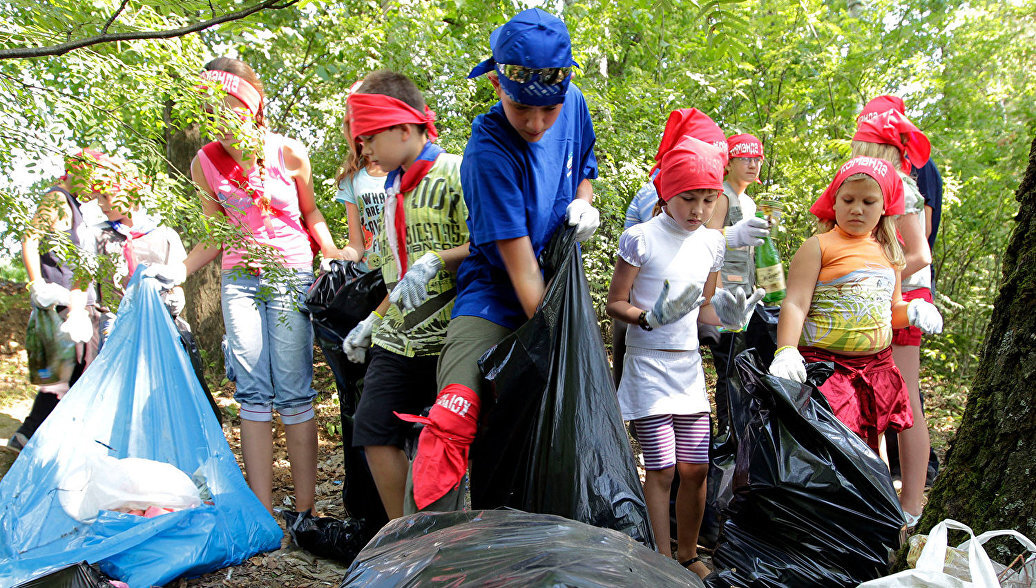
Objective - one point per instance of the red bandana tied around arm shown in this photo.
(370, 114)
(690, 122)
(894, 128)
(879, 169)
(690, 165)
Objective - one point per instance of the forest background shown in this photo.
(794, 73)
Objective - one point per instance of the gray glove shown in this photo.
(735, 310)
(788, 364)
(747, 232)
(359, 339)
(669, 310)
(584, 217)
(78, 325)
(925, 316)
(47, 294)
(412, 290)
(169, 275)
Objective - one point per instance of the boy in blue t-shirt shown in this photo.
(526, 169)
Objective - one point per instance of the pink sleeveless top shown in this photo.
(282, 229)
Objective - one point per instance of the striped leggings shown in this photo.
(669, 438)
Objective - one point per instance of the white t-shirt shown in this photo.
(663, 250)
(367, 192)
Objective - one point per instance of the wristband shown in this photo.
(441, 260)
(642, 321)
(375, 313)
(783, 347)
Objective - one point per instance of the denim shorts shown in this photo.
(269, 345)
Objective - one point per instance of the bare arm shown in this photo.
(619, 306)
(452, 257)
(802, 280)
(585, 191)
(296, 161)
(52, 215)
(356, 248)
(719, 213)
(202, 254)
(928, 212)
(524, 271)
(899, 307)
(915, 246)
(707, 314)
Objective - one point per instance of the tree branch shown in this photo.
(104, 30)
(105, 37)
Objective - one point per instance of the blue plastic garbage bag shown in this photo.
(139, 398)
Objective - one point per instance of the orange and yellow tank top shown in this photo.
(851, 309)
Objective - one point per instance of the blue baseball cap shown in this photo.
(536, 46)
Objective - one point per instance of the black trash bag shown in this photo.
(554, 442)
(326, 536)
(760, 335)
(80, 575)
(52, 354)
(508, 548)
(342, 297)
(190, 344)
(812, 505)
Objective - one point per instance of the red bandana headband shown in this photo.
(744, 145)
(369, 114)
(879, 105)
(237, 87)
(690, 122)
(690, 165)
(879, 169)
(894, 128)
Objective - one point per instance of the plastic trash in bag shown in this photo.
(342, 297)
(80, 575)
(508, 548)
(52, 354)
(812, 505)
(139, 399)
(937, 565)
(554, 442)
(326, 536)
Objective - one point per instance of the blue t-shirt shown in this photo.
(514, 189)
(643, 204)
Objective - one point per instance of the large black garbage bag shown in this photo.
(761, 335)
(508, 548)
(812, 505)
(343, 296)
(554, 442)
(337, 301)
(80, 575)
(326, 536)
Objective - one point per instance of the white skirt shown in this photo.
(661, 382)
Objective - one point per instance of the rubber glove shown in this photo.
(47, 294)
(169, 275)
(747, 232)
(412, 290)
(925, 316)
(584, 217)
(78, 325)
(669, 310)
(359, 339)
(735, 310)
(788, 364)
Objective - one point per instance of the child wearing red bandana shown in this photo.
(844, 300)
(422, 240)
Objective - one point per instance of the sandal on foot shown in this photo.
(696, 569)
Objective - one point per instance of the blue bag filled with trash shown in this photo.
(131, 471)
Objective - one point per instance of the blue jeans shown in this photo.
(269, 349)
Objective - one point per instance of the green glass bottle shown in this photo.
(769, 272)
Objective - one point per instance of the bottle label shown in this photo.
(770, 278)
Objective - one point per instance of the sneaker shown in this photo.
(17, 443)
(911, 521)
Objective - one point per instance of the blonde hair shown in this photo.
(355, 160)
(889, 153)
(884, 233)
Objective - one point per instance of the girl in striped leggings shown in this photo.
(663, 387)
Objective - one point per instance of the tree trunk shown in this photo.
(987, 481)
(202, 289)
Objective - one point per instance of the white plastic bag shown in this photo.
(939, 566)
(101, 482)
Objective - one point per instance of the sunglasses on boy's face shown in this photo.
(521, 74)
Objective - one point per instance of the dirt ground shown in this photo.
(289, 566)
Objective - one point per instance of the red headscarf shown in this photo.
(744, 145)
(879, 169)
(694, 123)
(690, 165)
(370, 114)
(894, 128)
(879, 105)
(237, 87)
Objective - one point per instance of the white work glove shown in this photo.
(584, 217)
(925, 316)
(747, 232)
(412, 289)
(735, 310)
(359, 339)
(175, 300)
(325, 264)
(169, 275)
(669, 310)
(78, 325)
(48, 294)
(788, 364)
